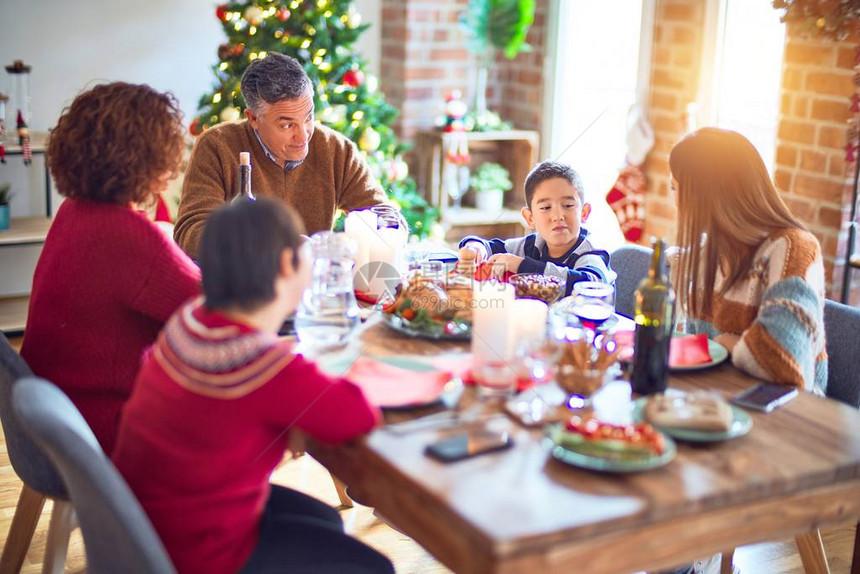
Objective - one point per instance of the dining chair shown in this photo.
(631, 263)
(842, 331)
(41, 480)
(118, 536)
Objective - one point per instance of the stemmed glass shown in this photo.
(537, 358)
(593, 303)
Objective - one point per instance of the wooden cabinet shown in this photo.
(21, 243)
(516, 150)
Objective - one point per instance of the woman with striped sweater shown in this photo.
(748, 273)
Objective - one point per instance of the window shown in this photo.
(741, 71)
(600, 54)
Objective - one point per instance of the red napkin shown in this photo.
(387, 385)
(684, 350)
(462, 368)
(366, 297)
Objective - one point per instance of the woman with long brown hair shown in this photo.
(749, 274)
(107, 279)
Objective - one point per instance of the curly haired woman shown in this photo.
(107, 279)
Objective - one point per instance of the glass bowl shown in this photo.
(546, 288)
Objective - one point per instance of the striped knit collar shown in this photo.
(211, 355)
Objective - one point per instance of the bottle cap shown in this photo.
(244, 158)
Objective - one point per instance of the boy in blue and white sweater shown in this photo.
(555, 210)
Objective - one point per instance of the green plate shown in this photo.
(718, 355)
(573, 458)
(741, 425)
(402, 326)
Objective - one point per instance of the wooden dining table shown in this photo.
(520, 510)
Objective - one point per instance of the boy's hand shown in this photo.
(504, 262)
(473, 252)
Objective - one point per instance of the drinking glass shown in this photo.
(537, 358)
(328, 311)
(593, 303)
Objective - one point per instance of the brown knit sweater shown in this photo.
(333, 176)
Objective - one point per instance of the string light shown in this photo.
(358, 115)
(317, 61)
(295, 4)
(355, 124)
(344, 18)
(235, 15)
(310, 30)
(252, 56)
(223, 66)
(321, 52)
(262, 54)
(339, 89)
(352, 97)
(216, 98)
(279, 34)
(325, 67)
(327, 14)
(322, 3)
(306, 44)
(213, 119)
(324, 98)
(237, 26)
(252, 30)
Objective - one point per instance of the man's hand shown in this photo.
(504, 262)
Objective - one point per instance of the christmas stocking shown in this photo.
(626, 200)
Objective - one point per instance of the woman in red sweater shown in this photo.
(107, 278)
(213, 406)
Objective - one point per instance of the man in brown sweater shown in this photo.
(311, 167)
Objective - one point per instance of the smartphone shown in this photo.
(469, 444)
(765, 396)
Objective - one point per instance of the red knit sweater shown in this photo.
(208, 422)
(106, 282)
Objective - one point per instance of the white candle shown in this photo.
(491, 334)
(361, 227)
(386, 248)
(528, 320)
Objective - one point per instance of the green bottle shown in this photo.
(654, 315)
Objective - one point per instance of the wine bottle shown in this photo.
(654, 315)
(243, 187)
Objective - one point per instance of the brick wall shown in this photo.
(424, 58)
(810, 163)
(674, 82)
(811, 172)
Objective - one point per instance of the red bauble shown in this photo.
(194, 128)
(221, 12)
(283, 14)
(353, 78)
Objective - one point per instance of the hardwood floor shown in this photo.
(307, 475)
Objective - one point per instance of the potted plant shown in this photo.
(5, 198)
(490, 184)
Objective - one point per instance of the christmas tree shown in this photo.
(320, 34)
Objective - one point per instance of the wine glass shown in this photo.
(537, 357)
(593, 303)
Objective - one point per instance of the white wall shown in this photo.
(169, 44)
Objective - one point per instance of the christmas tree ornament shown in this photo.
(456, 143)
(369, 140)
(283, 14)
(254, 15)
(230, 114)
(353, 18)
(24, 139)
(398, 169)
(221, 12)
(194, 128)
(626, 198)
(3, 100)
(371, 83)
(353, 78)
(18, 107)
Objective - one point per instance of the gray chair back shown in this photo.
(842, 330)
(29, 463)
(631, 263)
(117, 534)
